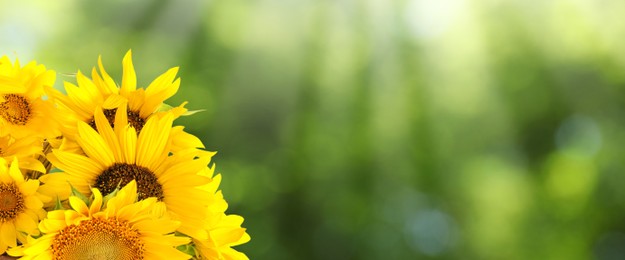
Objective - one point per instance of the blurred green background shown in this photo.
(381, 129)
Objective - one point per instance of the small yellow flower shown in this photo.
(23, 111)
(21, 206)
(124, 229)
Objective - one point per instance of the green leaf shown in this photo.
(165, 107)
(187, 249)
(81, 196)
(111, 195)
(58, 205)
(191, 112)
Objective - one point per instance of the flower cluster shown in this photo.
(98, 171)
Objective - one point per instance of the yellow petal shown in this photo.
(73, 217)
(29, 187)
(101, 84)
(152, 141)
(227, 236)
(25, 223)
(32, 164)
(128, 143)
(231, 254)
(15, 172)
(114, 101)
(7, 234)
(136, 100)
(182, 139)
(80, 99)
(96, 205)
(109, 86)
(121, 120)
(40, 245)
(90, 90)
(6, 87)
(105, 130)
(47, 255)
(77, 165)
(162, 82)
(126, 196)
(162, 226)
(78, 205)
(163, 253)
(32, 202)
(129, 77)
(93, 145)
(50, 225)
(159, 90)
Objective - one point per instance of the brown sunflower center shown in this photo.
(122, 173)
(134, 119)
(15, 109)
(98, 239)
(11, 202)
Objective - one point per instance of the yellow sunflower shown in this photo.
(124, 229)
(114, 156)
(101, 91)
(20, 206)
(23, 111)
(224, 231)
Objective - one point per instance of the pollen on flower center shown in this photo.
(11, 202)
(98, 239)
(15, 109)
(134, 119)
(122, 173)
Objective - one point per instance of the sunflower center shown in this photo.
(98, 239)
(15, 109)
(122, 173)
(11, 202)
(134, 119)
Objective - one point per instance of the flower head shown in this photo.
(116, 156)
(23, 111)
(101, 91)
(21, 206)
(120, 228)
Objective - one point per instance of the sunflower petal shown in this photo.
(78, 205)
(7, 234)
(106, 131)
(129, 77)
(94, 145)
(152, 141)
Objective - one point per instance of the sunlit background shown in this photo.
(381, 129)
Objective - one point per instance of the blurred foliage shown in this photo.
(382, 129)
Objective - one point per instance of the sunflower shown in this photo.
(223, 231)
(23, 111)
(124, 229)
(20, 206)
(115, 156)
(101, 91)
